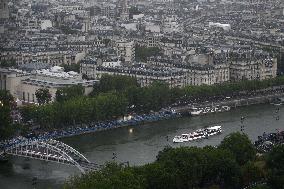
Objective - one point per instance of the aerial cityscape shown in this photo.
(128, 94)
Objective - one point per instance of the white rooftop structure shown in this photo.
(226, 27)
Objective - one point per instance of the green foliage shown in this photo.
(118, 83)
(190, 167)
(117, 95)
(158, 94)
(251, 173)
(153, 97)
(142, 53)
(67, 93)
(111, 176)
(280, 62)
(201, 167)
(134, 10)
(6, 129)
(275, 164)
(6, 98)
(8, 63)
(240, 145)
(71, 67)
(227, 89)
(67, 30)
(179, 168)
(77, 110)
(107, 42)
(43, 96)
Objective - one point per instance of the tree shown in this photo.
(275, 164)
(251, 173)
(240, 145)
(175, 168)
(111, 176)
(143, 53)
(43, 95)
(71, 67)
(194, 167)
(8, 63)
(6, 100)
(117, 83)
(67, 93)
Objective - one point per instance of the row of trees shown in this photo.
(125, 96)
(8, 63)
(6, 126)
(233, 164)
(66, 112)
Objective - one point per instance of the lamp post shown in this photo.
(242, 124)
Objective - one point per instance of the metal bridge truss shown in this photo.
(53, 151)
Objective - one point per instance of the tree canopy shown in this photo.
(43, 95)
(275, 164)
(188, 167)
(240, 146)
(8, 63)
(67, 93)
(71, 67)
(6, 100)
(142, 53)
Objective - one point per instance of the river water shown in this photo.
(138, 145)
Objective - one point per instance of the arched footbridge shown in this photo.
(50, 150)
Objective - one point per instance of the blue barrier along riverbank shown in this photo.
(93, 127)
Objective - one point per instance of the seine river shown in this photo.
(138, 145)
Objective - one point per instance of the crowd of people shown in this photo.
(266, 142)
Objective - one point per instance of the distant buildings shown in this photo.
(253, 68)
(23, 85)
(4, 10)
(195, 70)
(225, 27)
(126, 50)
(198, 42)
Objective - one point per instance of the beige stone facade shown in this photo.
(259, 69)
(126, 50)
(23, 86)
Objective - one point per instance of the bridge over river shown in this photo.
(49, 150)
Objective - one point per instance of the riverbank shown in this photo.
(80, 129)
(139, 144)
(232, 102)
(266, 96)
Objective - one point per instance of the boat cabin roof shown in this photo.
(215, 127)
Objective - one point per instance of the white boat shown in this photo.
(206, 110)
(201, 133)
(214, 130)
(187, 137)
(196, 112)
(183, 138)
(198, 134)
(226, 108)
(178, 139)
